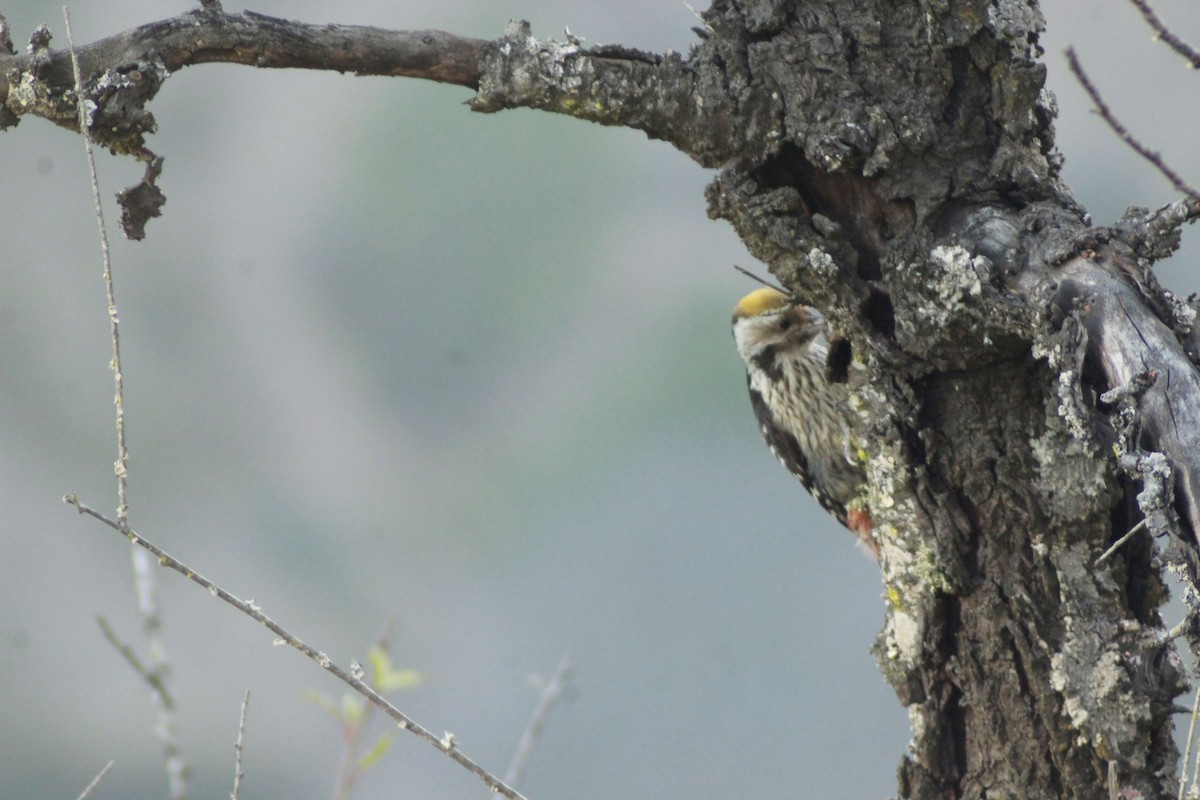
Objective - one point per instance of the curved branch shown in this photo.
(202, 36)
(121, 74)
(608, 85)
(40, 82)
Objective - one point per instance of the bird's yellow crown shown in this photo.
(760, 301)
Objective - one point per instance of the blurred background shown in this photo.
(389, 359)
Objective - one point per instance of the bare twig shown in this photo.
(238, 774)
(707, 28)
(1180, 628)
(1107, 554)
(150, 676)
(113, 322)
(1187, 750)
(445, 743)
(95, 781)
(1195, 776)
(143, 581)
(146, 589)
(1106, 114)
(1162, 32)
(551, 693)
(763, 281)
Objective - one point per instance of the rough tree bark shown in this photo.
(1032, 392)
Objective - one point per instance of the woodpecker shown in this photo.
(805, 419)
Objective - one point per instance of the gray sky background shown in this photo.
(388, 358)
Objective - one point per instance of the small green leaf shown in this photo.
(377, 751)
(380, 660)
(385, 677)
(323, 702)
(353, 707)
(400, 679)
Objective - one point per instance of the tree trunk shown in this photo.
(1031, 393)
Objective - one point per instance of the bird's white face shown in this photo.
(766, 325)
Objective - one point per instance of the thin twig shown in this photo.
(347, 774)
(551, 693)
(445, 743)
(95, 781)
(1107, 554)
(698, 16)
(1162, 32)
(1181, 627)
(1187, 750)
(763, 281)
(238, 773)
(114, 325)
(1196, 763)
(1106, 114)
(148, 675)
(143, 577)
(146, 590)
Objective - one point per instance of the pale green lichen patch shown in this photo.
(1075, 481)
(951, 277)
(1092, 667)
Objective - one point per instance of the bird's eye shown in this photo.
(785, 323)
